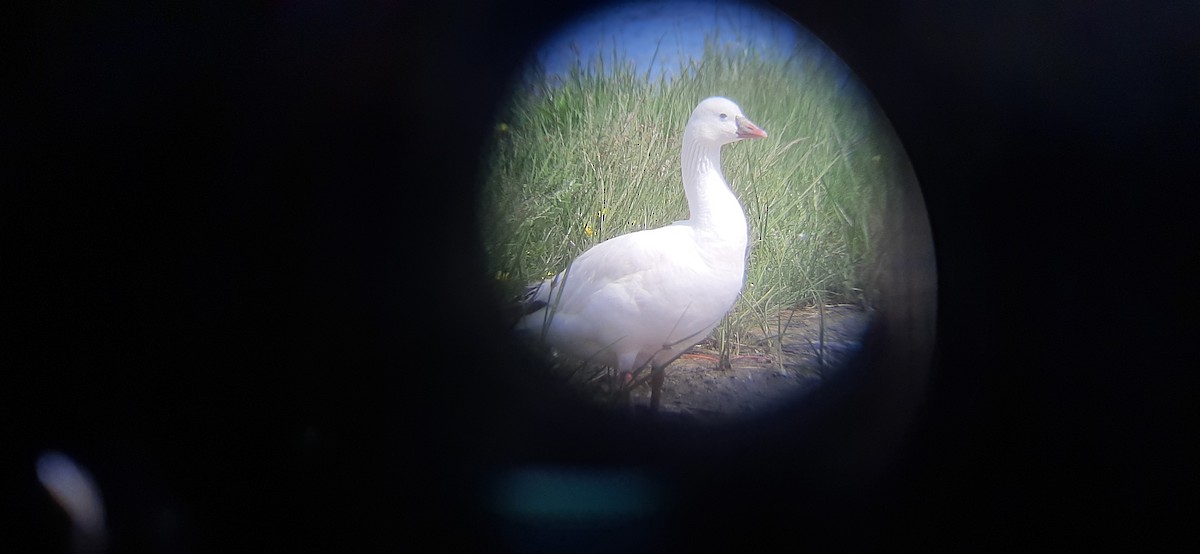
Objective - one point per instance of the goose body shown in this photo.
(643, 298)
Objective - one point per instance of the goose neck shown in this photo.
(711, 204)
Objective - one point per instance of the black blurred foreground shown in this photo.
(241, 291)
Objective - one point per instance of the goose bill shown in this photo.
(746, 129)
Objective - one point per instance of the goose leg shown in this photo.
(619, 385)
(622, 378)
(657, 373)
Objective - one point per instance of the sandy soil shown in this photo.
(761, 374)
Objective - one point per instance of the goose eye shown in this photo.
(724, 117)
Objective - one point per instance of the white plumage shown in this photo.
(645, 297)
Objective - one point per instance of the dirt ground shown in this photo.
(761, 373)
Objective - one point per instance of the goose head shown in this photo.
(719, 121)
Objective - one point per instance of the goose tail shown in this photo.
(535, 297)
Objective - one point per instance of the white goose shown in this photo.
(645, 297)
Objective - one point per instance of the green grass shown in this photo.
(597, 155)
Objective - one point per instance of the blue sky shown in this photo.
(676, 29)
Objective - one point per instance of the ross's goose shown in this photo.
(645, 297)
